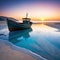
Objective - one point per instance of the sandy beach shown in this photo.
(9, 51)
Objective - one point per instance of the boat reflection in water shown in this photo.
(44, 40)
(17, 36)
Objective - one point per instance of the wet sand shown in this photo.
(8, 51)
(54, 25)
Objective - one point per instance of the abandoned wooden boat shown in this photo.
(13, 25)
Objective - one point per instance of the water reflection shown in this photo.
(17, 36)
(41, 39)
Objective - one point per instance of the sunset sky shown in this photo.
(37, 9)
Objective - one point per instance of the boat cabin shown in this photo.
(26, 19)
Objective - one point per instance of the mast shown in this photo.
(26, 15)
(26, 19)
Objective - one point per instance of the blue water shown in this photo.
(41, 39)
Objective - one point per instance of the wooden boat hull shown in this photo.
(12, 25)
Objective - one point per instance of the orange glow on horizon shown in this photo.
(36, 12)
